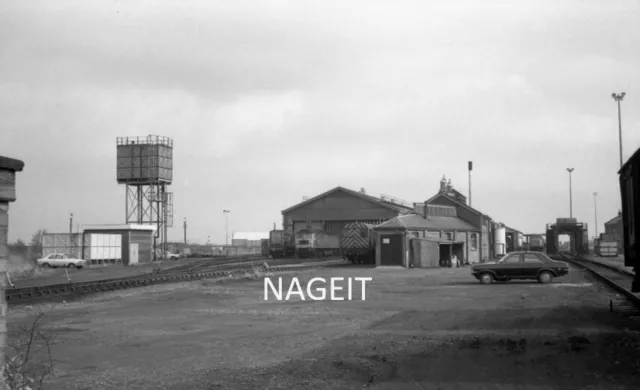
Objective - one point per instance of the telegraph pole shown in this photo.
(226, 212)
(470, 169)
(595, 210)
(185, 230)
(618, 98)
(570, 194)
(70, 223)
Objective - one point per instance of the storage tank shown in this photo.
(500, 240)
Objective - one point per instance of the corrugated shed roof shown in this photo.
(250, 235)
(417, 222)
(371, 198)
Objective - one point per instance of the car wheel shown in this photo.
(545, 277)
(78, 266)
(70, 265)
(486, 278)
(46, 265)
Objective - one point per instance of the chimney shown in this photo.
(449, 187)
(443, 184)
(362, 190)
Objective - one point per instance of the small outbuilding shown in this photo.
(418, 241)
(118, 244)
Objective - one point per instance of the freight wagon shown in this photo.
(630, 193)
(310, 243)
(535, 242)
(606, 248)
(357, 243)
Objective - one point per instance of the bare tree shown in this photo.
(29, 358)
(35, 246)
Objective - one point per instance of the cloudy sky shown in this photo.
(270, 101)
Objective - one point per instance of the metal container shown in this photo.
(500, 240)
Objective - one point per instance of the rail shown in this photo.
(591, 266)
(39, 294)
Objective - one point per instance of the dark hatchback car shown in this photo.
(520, 265)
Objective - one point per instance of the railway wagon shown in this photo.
(629, 178)
(309, 243)
(357, 242)
(536, 242)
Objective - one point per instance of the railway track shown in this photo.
(68, 291)
(626, 302)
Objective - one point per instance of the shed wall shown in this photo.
(87, 244)
(144, 239)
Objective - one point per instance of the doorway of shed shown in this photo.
(458, 250)
(445, 255)
(565, 242)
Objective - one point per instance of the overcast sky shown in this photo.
(269, 101)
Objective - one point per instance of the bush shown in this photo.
(28, 357)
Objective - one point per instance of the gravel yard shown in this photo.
(417, 329)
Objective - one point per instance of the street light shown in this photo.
(70, 223)
(595, 210)
(570, 194)
(226, 212)
(618, 98)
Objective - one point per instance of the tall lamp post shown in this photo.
(618, 98)
(226, 212)
(70, 223)
(570, 194)
(595, 210)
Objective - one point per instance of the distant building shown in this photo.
(613, 230)
(250, 239)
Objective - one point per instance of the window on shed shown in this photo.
(450, 236)
(473, 242)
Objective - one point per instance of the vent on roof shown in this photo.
(363, 191)
(395, 201)
(305, 198)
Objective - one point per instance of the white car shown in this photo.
(55, 260)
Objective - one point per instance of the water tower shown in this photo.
(145, 166)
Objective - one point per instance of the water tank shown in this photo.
(500, 240)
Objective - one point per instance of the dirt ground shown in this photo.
(417, 329)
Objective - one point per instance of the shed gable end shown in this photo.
(340, 206)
